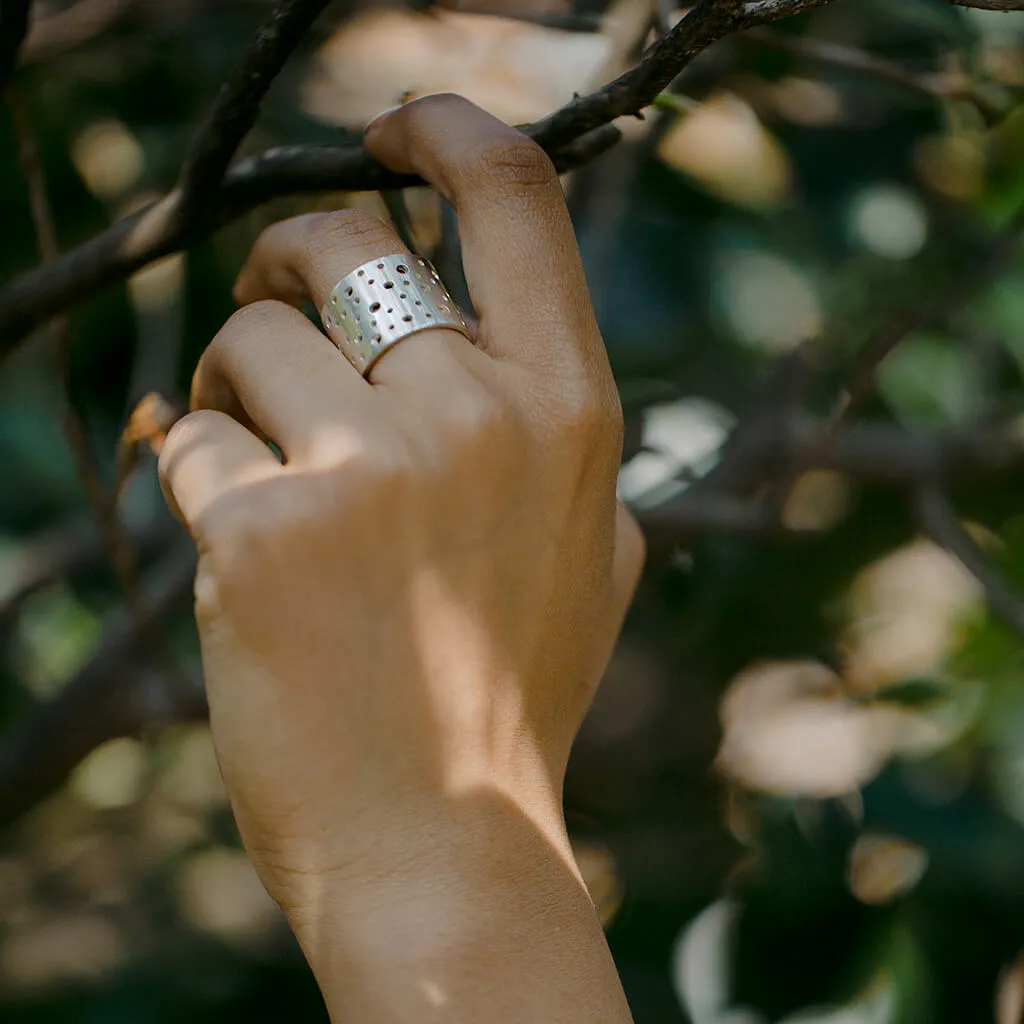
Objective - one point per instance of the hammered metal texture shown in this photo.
(384, 301)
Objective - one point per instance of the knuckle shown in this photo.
(247, 320)
(386, 478)
(594, 414)
(478, 417)
(341, 229)
(513, 164)
(241, 330)
(231, 531)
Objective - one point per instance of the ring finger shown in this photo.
(305, 257)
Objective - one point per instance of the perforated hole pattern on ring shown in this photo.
(384, 301)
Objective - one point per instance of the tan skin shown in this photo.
(403, 625)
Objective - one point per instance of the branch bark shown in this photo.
(238, 104)
(572, 135)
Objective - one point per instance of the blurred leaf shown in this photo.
(915, 693)
(932, 381)
(883, 868)
(724, 147)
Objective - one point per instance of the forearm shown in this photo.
(492, 924)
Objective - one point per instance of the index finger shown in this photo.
(521, 260)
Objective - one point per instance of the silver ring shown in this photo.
(384, 301)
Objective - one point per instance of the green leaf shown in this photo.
(930, 381)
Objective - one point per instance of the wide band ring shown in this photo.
(384, 301)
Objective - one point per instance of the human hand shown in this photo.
(403, 625)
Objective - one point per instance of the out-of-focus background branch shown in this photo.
(801, 221)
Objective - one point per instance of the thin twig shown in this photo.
(973, 276)
(447, 258)
(66, 549)
(117, 693)
(398, 211)
(932, 85)
(101, 500)
(939, 521)
(704, 24)
(238, 103)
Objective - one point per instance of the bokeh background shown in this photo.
(800, 793)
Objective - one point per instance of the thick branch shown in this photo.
(939, 520)
(571, 135)
(238, 104)
(118, 693)
(113, 255)
(14, 19)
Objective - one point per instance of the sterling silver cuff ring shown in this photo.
(384, 301)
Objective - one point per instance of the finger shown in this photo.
(305, 257)
(270, 366)
(521, 260)
(207, 455)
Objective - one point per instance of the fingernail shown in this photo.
(374, 121)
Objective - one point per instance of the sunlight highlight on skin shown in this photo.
(434, 993)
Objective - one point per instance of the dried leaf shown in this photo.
(788, 728)
(818, 501)
(516, 70)
(903, 611)
(1010, 994)
(147, 428)
(723, 146)
(883, 868)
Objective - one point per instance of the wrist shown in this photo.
(482, 852)
(488, 905)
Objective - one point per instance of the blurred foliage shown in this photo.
(858, 855)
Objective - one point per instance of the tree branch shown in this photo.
(932, 85)
(939, 521)
(572, 135)
(238, 104)
(65, 550)
(102, 501)
(118, 693)
(156, 231)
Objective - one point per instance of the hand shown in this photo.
(403, 624)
